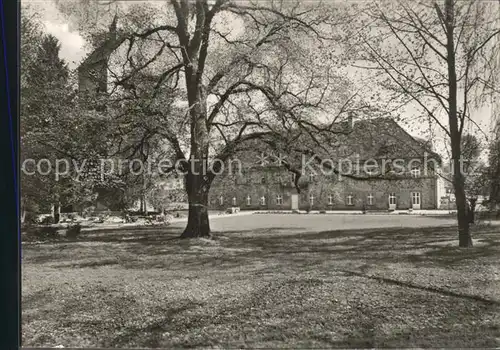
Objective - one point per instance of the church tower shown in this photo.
(93, 71)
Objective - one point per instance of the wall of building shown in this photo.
(328, 191)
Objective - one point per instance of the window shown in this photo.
(350, 200)
(312, 177)
(234, 201)
(370, 167)
(371, 170)
(415, 198)
(279, 159)
(279, 199)
(392, 198)
(262, 180)
(249, 200)
(415, 171)
(389, 168)
(221, 200)
(370, 199)
(262, 200)
(330, 199)
(311, 199)
(263, 159)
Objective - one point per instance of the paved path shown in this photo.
(318, 222)
(247, 220)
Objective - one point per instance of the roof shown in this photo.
(377, 138)
(385, 138)
(111, 41)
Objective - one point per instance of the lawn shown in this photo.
(263, 287)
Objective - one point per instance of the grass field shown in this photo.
(263, 287)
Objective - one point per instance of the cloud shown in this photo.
(71, 42)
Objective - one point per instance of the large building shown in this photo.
(265, 184)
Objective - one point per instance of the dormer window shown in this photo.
(415, 171)
(263, 159)
(279, 159)
(371, 168)
(371, 171)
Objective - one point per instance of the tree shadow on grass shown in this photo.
(154, 247)
(150, 333)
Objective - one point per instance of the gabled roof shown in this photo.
(378, 138)
(385, 138)
(109, 44)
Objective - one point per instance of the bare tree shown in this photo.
(441, 57)
(242, 70)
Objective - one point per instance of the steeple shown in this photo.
(93, 72)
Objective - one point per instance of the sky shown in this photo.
(72, 50)
(71, 42)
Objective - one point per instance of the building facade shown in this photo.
(373, 183)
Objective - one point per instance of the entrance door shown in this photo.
(295, 202)
(415, 200)
(392, 201)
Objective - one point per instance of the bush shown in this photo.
(48, 220)
(42, 234)
(30, 219)
(73, 231)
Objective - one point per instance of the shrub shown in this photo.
(42, 234)
(322, 211)
(30, 219)
(73, 231)
(48, 220)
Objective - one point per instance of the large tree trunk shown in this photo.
(23, 212)
(57, 212)
(198, 180)
(198, 225)
(141, 205)
(472, 210)
(464, 238)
